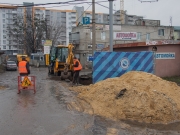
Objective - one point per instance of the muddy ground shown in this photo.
(48, 112)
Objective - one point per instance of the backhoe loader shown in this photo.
(61, 60)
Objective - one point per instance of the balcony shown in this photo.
(118, 18)
(14, 12)
(63, 20)
(63, 16)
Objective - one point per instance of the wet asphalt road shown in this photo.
(46, 113)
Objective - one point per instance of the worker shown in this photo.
(77, 68)
(24, 67)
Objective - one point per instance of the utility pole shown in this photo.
(111, 25)
(93, 28)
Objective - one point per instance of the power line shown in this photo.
(108, 8)
(31, 5)
(82, 13)
(76, 4)
(89, 7)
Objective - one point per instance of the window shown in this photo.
(89, 46)
(3, 20)
(4, 41)
(139, 36)
(161, 32)
(4, 15)
(4, 26)
(4, 31)
(4, 36)
(103, 35)
(4, 47)
(148, 36)
(9, 47)
(19, 9)
(3, 10)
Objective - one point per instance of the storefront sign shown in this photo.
(165, 55)
(125, 35)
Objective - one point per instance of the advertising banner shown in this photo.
(114, 64)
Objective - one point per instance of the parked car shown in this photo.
(11, 65)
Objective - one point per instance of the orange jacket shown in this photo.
(79, 65)
(22, 67)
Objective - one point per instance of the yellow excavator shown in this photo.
(20, 56)
(61, 60)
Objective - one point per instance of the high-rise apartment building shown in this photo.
(7, 15)
(65, 19)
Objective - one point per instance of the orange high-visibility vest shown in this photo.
(22, 67)
(79, 65)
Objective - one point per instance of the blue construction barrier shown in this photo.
(114, 64)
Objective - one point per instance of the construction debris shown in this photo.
(145, 98)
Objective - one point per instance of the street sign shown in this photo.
(48, 43)
(46, 49)
(26, 82)
(86, 20)
(91, 58)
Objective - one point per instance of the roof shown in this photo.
(149, 43)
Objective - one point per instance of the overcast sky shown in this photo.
(161, 10)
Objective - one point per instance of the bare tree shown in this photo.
(28, 32)
(55, 32)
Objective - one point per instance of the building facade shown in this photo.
(7, 15)
(166, 62)
(68, 19)
(82, 38)
(176, 32)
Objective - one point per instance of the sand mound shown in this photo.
(148, 98)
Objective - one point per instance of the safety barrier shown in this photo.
(26, 83)
(114, 64)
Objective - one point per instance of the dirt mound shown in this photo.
(147, 98)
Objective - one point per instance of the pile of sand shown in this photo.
(148, 98)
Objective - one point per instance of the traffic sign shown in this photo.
(86, 20)
(26, 82)
(91, 58)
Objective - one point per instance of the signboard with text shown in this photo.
(165, 55)
(46, 49)
(125, 35)
(48, 43)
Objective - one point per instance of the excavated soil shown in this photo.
(147, 98)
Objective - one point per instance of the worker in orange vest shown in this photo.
(23, 67)
(77, 68)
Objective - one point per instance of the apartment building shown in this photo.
(7, 15)
(68, 19)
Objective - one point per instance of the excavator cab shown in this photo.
(61, 59)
